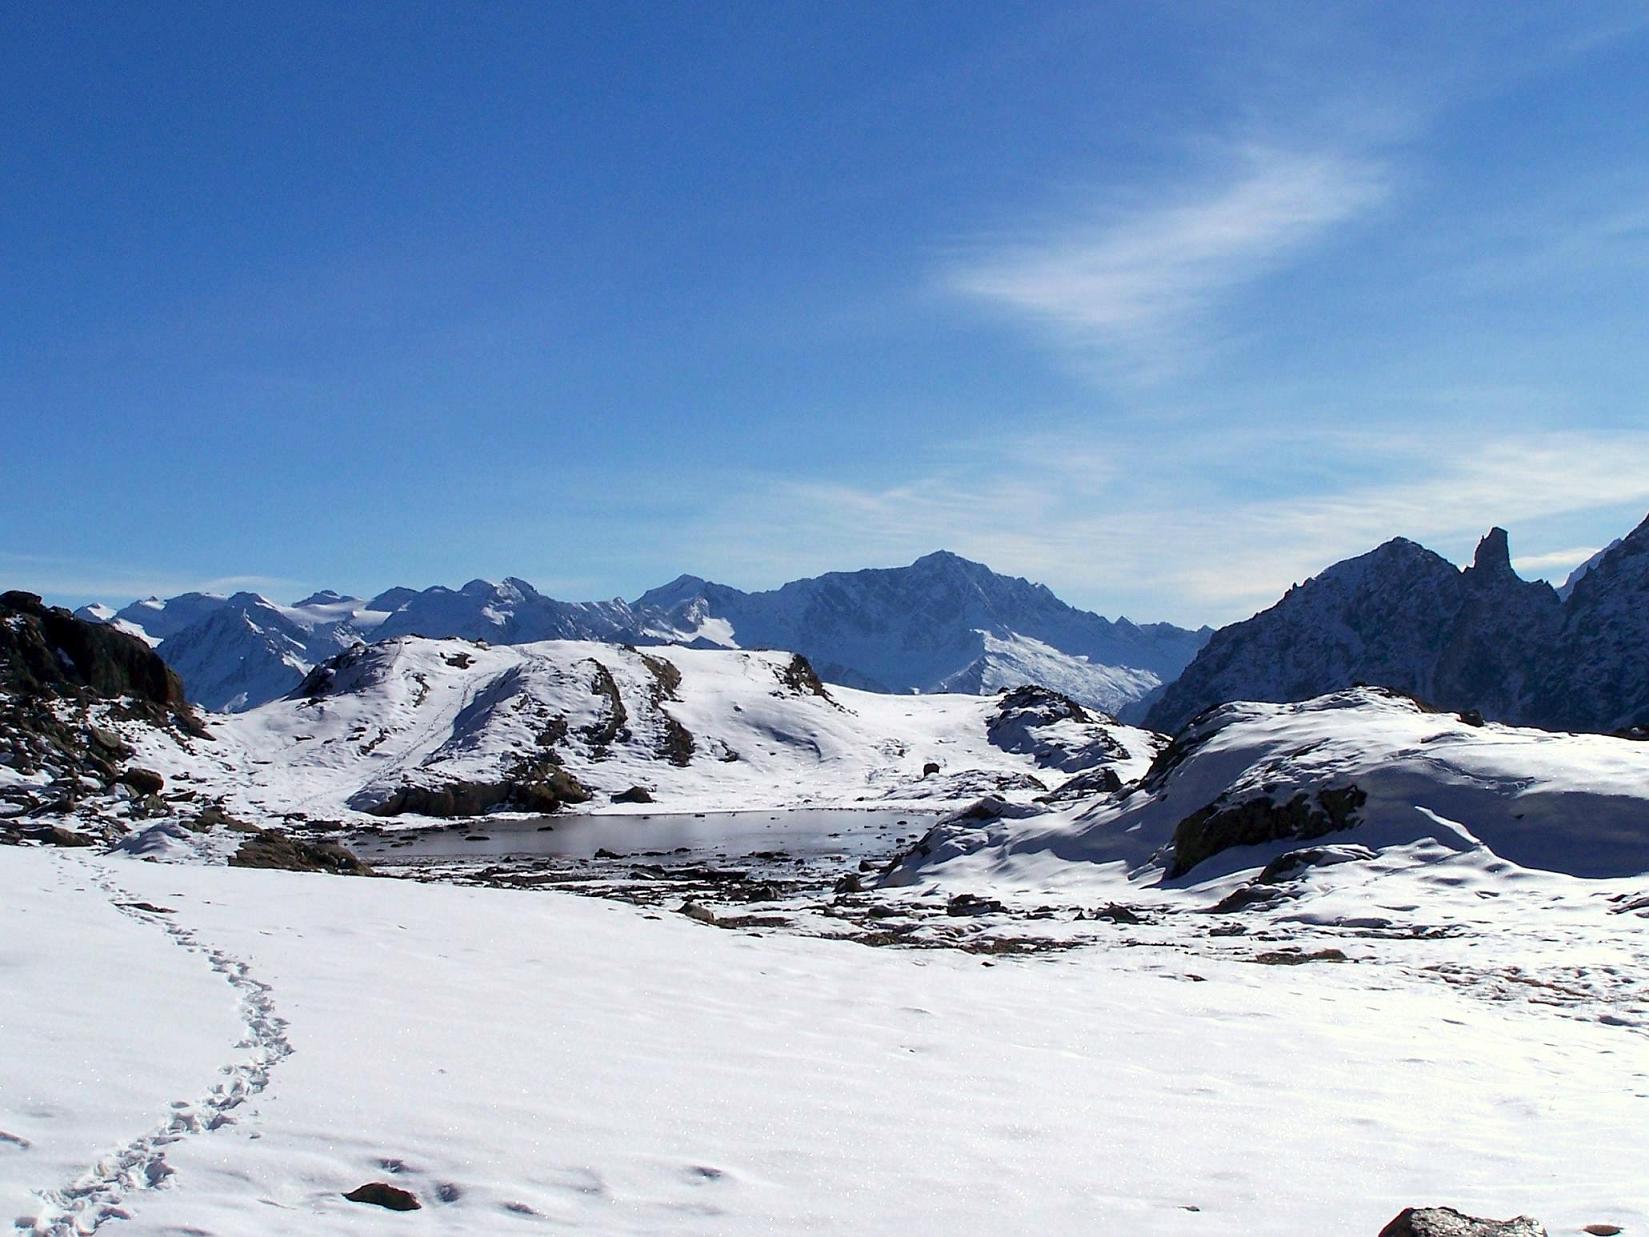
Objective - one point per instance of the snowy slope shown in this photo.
(1364, 768)
(1009, 661)
(523, 1061)
(696, 728)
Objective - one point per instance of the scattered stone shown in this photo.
(56, 835)
(1447, 1222)
(1116, 913)
(144, 781)
(382, 1194)
(636, 794)
(1602, 1230)
(1295, 957)
(851, 883)
(973, 904)
(213, 816)
(108, 742)
(929, 769)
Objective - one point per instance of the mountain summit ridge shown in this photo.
(1476, 639)
(941, 622)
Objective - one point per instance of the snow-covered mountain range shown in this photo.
(943, 623)
(1477, 639)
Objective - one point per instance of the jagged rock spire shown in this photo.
(1494, 556)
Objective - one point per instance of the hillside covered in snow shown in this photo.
(1365, 778)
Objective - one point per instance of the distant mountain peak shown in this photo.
(683, 588)
(325, 597)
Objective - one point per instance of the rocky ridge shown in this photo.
(1479, 641)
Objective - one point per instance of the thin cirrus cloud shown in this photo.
(1097, 527)
(1142, 286)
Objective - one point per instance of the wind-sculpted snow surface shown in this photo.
(698, 729)
(1247, 783)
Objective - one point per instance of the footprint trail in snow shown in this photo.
(99, 1193)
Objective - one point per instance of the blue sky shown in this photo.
(1168, 306)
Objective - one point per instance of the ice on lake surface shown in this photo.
(802, 833)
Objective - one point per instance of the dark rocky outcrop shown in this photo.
(800, 677)
(1598, 678)
(611, 727)
(1447, 1222)
(1219, 826)
(1297, 862)
(636, 794)
(535, 786)
(46, 650)
(67, 689)
(1480, 642)
(270, 848)
(666, 677)
(1399, 616)
(675, 742)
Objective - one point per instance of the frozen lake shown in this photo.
(812, 834)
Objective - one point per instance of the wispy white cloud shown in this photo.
(74, 582)
(1553, 562)
(1161, 533)
(1143, 284)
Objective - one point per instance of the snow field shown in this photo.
(549, 1061)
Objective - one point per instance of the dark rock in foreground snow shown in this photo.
(271, 848)
(382, 1194)
(1447, 1222)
